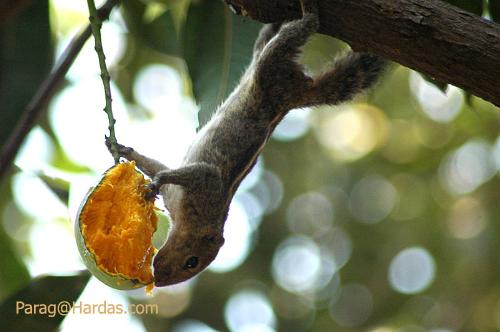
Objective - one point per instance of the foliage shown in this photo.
(46, 290)
(406, 171)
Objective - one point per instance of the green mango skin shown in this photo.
(115, 281)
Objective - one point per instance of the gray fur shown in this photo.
(198, 194)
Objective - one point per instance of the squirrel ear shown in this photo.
(217, 239)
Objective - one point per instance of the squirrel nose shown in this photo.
(162, 272)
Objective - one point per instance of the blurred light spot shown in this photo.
(310, 213)
(254, 176)
(80, 124)
(467, 218)
(294, 125)
(433, 135)
(468, 167)
(353, 306)
(96, 293)
(292, 306)
(154, 11)
(256, 328)
(412, 196)
(372, 199)
(326, 291)
(74, 5)
(441, 330)
(443, 312)
(337, 242)
(253, 208)
(66, 18)
(384, 329)
(158, 88)
(249, 310)
(351, 132)
(497, 314)
(183, 290)
(328, 268)
(297, 264)
(402, 146)
(81, 183)
(34, 198)
(14, 223)
(166, 135)
(236, 247)
(438, 106)
(412, 270)
(191, 325)
(413, 328)
(171, 301)
(496, 153)
(86, 64)
(269, 191)
(53, 256)
(36, 151)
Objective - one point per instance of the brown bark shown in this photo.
(430, 36)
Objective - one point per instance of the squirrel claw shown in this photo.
(123, 150)
(152, 191)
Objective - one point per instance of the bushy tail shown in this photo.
(350, 75)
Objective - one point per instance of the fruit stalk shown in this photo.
(95, 24)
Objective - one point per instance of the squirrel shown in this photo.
(198, 194)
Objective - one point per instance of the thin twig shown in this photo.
(46, 91)
(96, 24)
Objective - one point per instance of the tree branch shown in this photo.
(432, 37)
(49, 86)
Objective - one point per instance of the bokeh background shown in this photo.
(378, 215)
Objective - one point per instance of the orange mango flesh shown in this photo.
(117, 224)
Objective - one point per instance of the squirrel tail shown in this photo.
(351, 74)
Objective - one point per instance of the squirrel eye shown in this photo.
(191, 262)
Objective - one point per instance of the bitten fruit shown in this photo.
(114, 229)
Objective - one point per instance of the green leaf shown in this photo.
(25, 60)
(157, 32)
(59, 186)
(217, 48)
(162, 2)
(13, 272)
(472, 6)
(160, 34)
(42, 291)
(495, 10)
(153, 11)
(133, 12)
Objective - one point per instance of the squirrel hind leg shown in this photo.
(267, 32)
(350, 75)
(277, 72)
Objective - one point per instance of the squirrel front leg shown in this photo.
(192, 176)
(147, 165)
